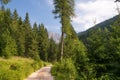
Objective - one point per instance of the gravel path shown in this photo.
(42, 74)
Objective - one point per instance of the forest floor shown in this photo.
(41, 74)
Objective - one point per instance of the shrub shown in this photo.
(64, 70)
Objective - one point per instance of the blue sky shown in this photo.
(87, 11)
(40, 11)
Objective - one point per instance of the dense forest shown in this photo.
(19, 38)
(24, 47)
(102, 43)
(90, 55)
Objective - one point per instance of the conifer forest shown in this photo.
(26, 47)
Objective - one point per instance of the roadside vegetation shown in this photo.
(17, 68)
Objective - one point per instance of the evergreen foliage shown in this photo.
(64, 70)
(19, 38)
(7, 45)
(43, 42)
(64, 10)
(98, 59)
(73, 48)
(103, 48)
(52, 51)
(28, 38)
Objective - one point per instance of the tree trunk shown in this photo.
(62, 44)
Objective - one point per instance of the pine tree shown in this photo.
(7, 20)
(14, 27)
(27, 28)
(8, 46)
(43, 42)
(71, 41)
(7, 43)
(75, 49)
(34, 52)
(2, 12)
(35, 29)
(20, 38)
(64, 10)
(14, 24)
(53, 50)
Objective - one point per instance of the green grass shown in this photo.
(17, 68)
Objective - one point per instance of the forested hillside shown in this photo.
(103, 45)
(26, 47)
(19, 38)
(105, 24)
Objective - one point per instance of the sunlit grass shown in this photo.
(18, 68)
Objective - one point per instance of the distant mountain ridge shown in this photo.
(55, 36)
(102, 25)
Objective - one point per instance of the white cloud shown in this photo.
(50, 3)
(87, 12)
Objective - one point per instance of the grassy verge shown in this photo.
(17, 68)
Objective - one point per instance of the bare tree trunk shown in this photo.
(62, 44)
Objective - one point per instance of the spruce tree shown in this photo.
(20, 38)
(52, 51)
(14, 27)
(35, 29)
(64, 10)
(75, 49)
(8, 46)
(70, 43)
(27, 28)
(43, 42)
(7, 43)
(34, 52)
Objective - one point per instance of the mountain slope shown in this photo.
(102, 25)
(103, 47)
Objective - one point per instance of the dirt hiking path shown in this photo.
(41, 74)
